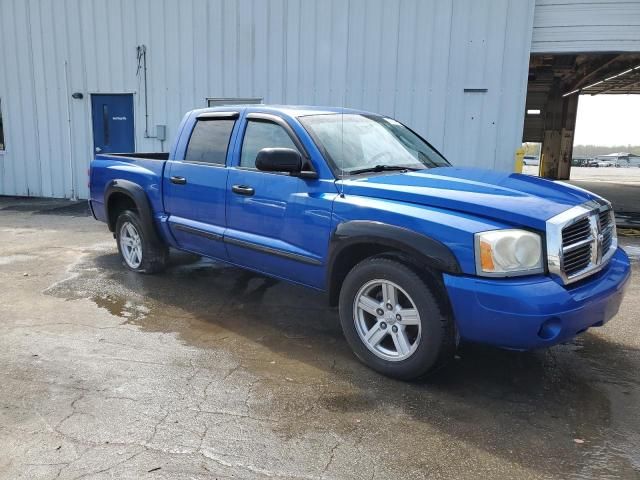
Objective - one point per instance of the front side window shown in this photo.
(353, 142)
(209, 141)
(2, 146)
(259, 135)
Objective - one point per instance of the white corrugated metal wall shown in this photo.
(574, 26)
(412, 59)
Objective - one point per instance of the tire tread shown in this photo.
(431, 288)
(154, 255)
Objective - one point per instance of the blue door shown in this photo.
(196, 186)
(276, 223)
(112, 116)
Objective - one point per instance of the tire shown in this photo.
(150, 257)
(422, 342)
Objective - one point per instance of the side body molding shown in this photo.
(429, 252)
(136, 193)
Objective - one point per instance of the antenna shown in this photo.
(342, 147)
(344, 99)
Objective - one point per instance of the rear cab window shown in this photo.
(209, 141)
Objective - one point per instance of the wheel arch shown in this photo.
(122, 195)
(356, 240)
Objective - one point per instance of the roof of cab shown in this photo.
(289, 110)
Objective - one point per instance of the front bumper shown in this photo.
(535, 312)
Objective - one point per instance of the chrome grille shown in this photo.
(607, 225)
(581, 240)
(577, 260)
(576, 232)
(576, 246)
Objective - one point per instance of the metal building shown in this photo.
(81, 75)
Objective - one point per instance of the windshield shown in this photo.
(354, 143)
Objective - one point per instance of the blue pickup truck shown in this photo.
(417, 254)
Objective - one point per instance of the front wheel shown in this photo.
(392, 320)
(138, 252)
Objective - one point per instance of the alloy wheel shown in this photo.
(387, 320)
(131, 245)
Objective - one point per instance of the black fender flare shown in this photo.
(428, 251)
(137, 194)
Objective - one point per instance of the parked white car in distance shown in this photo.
(605, 163)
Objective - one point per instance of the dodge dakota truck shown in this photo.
(417, 254)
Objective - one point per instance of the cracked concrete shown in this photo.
(207, 371)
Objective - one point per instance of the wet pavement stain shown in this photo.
(523, 408)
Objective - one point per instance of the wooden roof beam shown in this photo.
(621, 88)
(587, 77)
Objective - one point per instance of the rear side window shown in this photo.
(209, 141)
(261, 135)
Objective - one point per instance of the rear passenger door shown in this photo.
(195, 186)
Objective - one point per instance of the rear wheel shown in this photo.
(392, 320)
(139, 253)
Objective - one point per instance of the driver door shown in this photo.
(275, 223)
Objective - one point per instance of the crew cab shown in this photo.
(416, 253)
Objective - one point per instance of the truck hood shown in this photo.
(508, 197)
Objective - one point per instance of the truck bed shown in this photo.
(143, 169)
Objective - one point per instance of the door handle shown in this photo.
(243, 190)
(98, 149)
(178, 180)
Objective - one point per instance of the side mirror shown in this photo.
(279, 160)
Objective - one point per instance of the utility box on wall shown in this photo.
(161, 132)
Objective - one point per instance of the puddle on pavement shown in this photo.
(633, 251)
(9, 259)
(348, 402)
(120, 307)
(631, 245)
(525, 407)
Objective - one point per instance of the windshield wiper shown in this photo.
(380, 168)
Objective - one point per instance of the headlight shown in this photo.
(505, 253)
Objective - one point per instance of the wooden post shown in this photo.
(559, 128)
(569, 112)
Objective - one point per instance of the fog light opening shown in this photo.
(550, 329)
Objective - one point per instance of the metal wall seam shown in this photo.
(408, 58)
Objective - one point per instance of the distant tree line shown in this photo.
(585, 150)
(532, 149)
(594, 150)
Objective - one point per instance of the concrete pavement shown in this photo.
(208, 371)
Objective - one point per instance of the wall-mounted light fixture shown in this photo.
(77, 95)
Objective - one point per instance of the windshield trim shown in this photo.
(338, 173)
